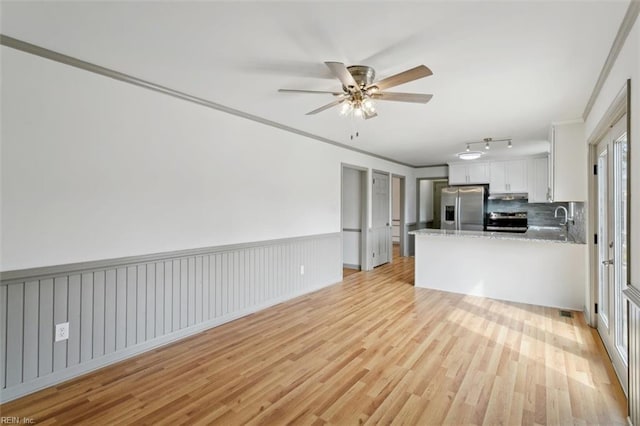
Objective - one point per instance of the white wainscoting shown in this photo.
(633, 295)
(120, 308)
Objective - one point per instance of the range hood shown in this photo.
(509, 196)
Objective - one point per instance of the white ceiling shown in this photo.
(501, 69)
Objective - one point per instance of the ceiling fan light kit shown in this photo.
(359, 90)
(467, 154)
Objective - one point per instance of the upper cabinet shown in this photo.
(457, 174)
(568, 162)
(508, 176)
(523, 175)
(538, 171)
(468, 173)
(478, 173)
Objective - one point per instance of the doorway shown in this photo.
(353, 218)
(428, 202)
(380, 220)
(398, 228)
(612, 228)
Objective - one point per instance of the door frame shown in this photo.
(365, 265)
(608, 281)
(616, 110)
(403, 227)
(605, 233)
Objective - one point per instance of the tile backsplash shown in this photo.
(541, 214)
(578, 227)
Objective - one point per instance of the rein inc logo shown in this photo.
(6, 420)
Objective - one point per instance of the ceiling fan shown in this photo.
(359, 91)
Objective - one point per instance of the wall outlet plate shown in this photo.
(62, 331)
(301, 269)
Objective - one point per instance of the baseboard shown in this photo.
(351, 266)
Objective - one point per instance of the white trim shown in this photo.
(623, 32)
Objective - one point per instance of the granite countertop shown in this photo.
(535, 233)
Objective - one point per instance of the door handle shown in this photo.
(607, 262)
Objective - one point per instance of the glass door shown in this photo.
(620, 202)
(612, 252)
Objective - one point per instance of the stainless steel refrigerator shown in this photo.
(463, 207)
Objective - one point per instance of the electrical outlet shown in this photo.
(62, 331)
(301, 269)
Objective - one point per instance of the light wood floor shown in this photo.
(372, 349)
(348, 271)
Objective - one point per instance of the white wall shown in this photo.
(426, 200)
(627, 66)
(395, 205)
(351, 198)
(94, 168)
(351, 215)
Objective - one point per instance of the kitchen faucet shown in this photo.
(565, 222)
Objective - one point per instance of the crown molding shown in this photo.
(625, 28)
(431, 165)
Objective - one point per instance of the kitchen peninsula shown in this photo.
(541, 266)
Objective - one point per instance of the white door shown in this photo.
(381, 226)
(612, 260)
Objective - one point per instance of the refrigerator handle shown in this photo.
(455, 214)
(458, 212)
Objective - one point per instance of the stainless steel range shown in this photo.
(507, 221)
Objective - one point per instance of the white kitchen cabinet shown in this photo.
(508, 176)
(538, 171)
(568, 162)
(468, 173)
(457, 174)
(478, 172)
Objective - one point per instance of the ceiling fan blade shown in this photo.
(309, 91)
(342, 73)
(416, 73)
(419, 98)
(327, 106)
